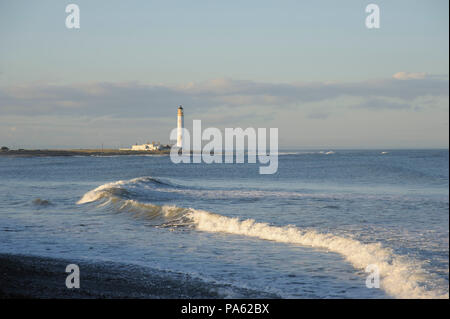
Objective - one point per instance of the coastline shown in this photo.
(78, 152)
(32, 277)
(36, 277)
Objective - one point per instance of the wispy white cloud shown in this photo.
(137, 99)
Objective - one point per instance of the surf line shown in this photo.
(212, 152)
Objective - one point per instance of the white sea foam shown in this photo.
(327, 153)
(99, 192)
(401, 277)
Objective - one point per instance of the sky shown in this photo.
(310, 68)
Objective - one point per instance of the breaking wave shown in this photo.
(117, 188)
(401, 277)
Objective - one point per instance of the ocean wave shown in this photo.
(117, 188)
(327, 153)
(162, 188)
(151, 188)
(401, 277)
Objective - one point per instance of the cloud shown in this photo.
(378, 103)
(409, 75)
(307, 113)
(318, 116)
(135, 99)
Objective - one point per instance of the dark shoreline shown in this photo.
(36, 277)
(24, 277)
(78, 152)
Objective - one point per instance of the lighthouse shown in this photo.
(180, 121)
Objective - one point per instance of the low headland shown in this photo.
(78, 152)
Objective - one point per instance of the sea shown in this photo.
(327, 224)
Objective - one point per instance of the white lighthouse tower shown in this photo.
(180, 121)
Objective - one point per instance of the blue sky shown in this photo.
(311, 68)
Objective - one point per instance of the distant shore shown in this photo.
(78, 152)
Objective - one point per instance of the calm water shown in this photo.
(308, 231)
